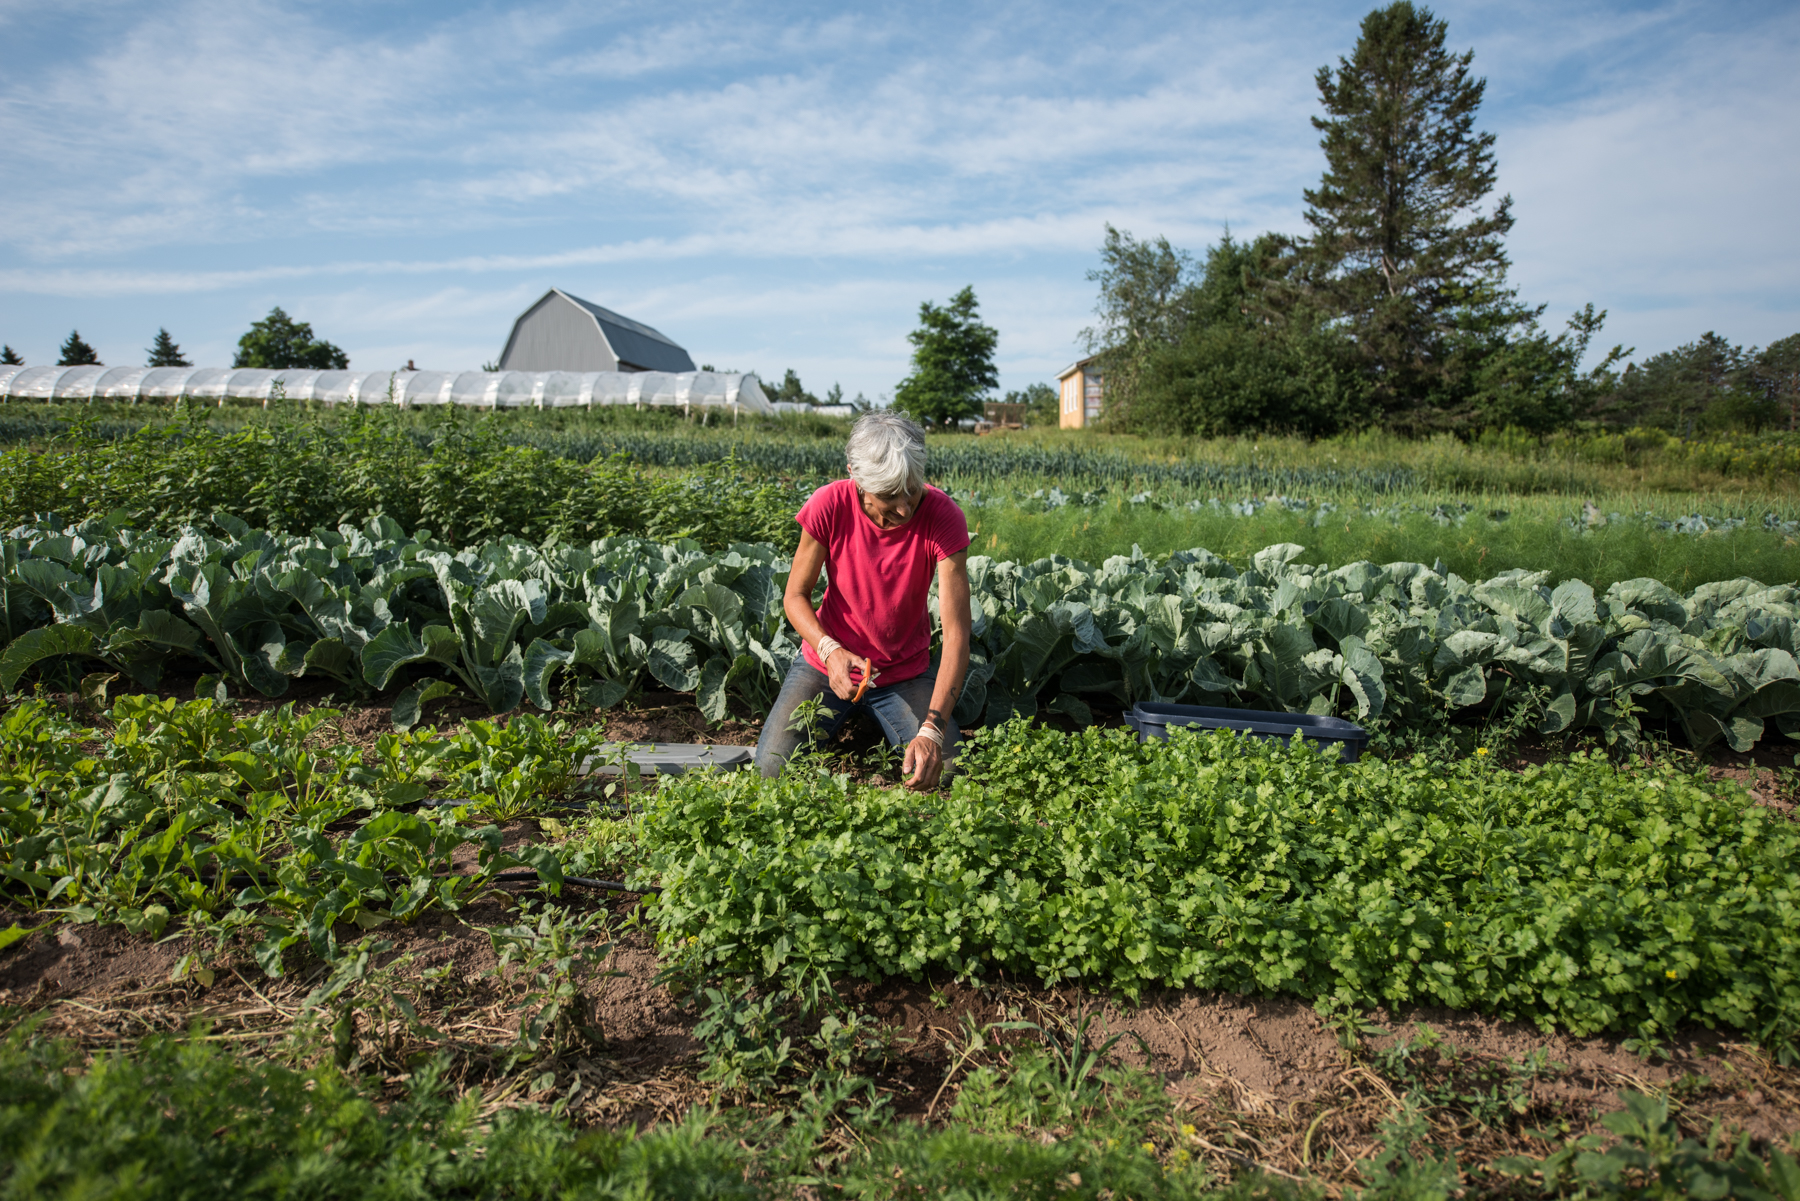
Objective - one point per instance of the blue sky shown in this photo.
(778, 186)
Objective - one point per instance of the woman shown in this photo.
(880, 535)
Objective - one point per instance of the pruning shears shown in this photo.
(868, 677)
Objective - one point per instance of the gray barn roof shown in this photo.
(634, 344)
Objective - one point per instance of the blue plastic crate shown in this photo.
(1152, 719)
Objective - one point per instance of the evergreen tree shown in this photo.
(1774, 374)
(1400, 245)
(165, 353)
(1702, 384)
(953, 362)
(76, 353)
(792, 391)
(279, 341)
(10, 357)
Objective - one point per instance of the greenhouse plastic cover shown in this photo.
(481, 389)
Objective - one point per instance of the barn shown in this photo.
(566, 333)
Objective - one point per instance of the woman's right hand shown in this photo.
(837, 669)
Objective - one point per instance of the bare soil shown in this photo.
(1263, 1080)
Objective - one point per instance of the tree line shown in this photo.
(1394, 310)
(276, 342)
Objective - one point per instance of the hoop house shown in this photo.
(736, 393)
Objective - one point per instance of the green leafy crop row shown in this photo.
(375, 610)
(248, 826)
(460, 478)
(1572, 894)
(1403, 643)
(370, 608)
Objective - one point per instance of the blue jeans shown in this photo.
(900, 708)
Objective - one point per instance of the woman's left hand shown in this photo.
(923, 764)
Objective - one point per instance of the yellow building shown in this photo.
(1081, 392)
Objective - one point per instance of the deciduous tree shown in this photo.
(279, 341)
(1145, 298)
(1043, 404)
(953, 362)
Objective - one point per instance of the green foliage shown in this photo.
(1710, 386)
(459, 478)
(279, 341)
(1042, 404)
(1534, 382)
(76, 353)
(953, 362)
(1229, 378)
(1651, 1159)
(1146, 299)
(368, 608)
(1572, 894)
(247, 825)
(1774, 376)
(1401, 644)
(164, 352)
(555, 955)
(791, 390)
(10, 357)
(183, 1118)
(1399, 245)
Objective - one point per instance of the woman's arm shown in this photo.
(924, 761)
(796, 602)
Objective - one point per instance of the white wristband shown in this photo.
(933, 733)
(827, 645)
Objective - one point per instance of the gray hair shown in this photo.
(887, 454)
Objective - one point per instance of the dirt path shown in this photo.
(1263, 1080)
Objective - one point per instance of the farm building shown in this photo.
(566, 333)
(1081, 392)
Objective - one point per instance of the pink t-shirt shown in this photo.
(879, 580)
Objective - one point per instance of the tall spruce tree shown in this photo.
(10, 357)
(164, 352)
(953, 362)
(1401, 247)
(76, 353)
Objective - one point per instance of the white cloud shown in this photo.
(793, 185)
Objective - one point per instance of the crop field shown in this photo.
(325, 869)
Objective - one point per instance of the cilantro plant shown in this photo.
(1574, 894)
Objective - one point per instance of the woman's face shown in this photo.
(890, 512)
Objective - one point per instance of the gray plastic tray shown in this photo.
(1152, 719)
(673, 758)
